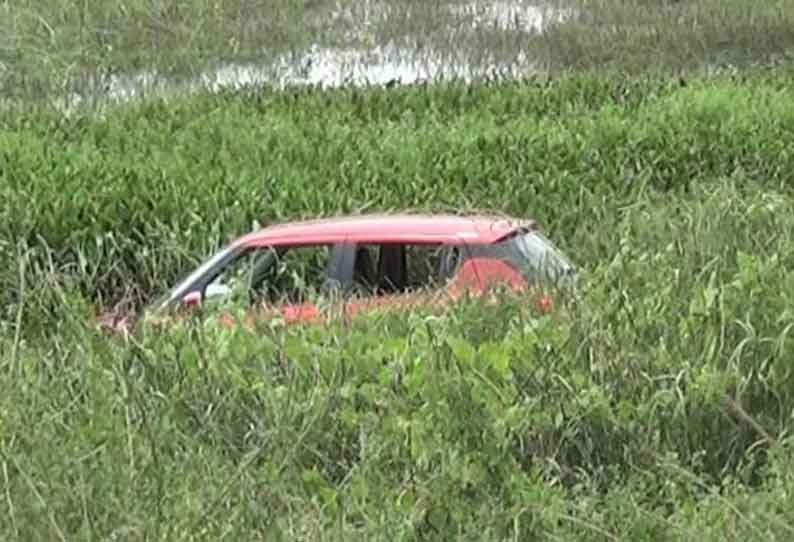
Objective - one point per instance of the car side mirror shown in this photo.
(191, 301)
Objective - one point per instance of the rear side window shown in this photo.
(429, 265)
(398, 268)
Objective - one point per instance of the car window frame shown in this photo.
(234, 252)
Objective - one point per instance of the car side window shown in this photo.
(298, 274)
(273, 275)
(430, 266)
(233, 282)
(398, 268)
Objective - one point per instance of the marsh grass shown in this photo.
(54, 49)
(142, 192)
(653, 405)
(633, 36)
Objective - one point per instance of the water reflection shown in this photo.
(339, 66)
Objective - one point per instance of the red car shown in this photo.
(371, 261)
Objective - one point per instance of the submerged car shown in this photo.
(370, 262)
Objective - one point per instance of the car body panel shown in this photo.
(396, 228)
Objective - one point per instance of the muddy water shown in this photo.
(338, 66)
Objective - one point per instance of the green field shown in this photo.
(656, 404)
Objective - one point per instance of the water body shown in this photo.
(402, 63)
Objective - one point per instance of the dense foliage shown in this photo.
(124, 199)
(656, 405)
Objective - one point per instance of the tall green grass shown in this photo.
(672, 35)
(53, 48)
(654, 405)
(127, 200)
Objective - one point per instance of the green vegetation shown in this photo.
(654, 406)
(132, 198)
(670, 35)
(55, 47)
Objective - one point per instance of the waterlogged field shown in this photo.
(655, 405)
(71, 55)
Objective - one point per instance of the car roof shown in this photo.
(386, 228)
